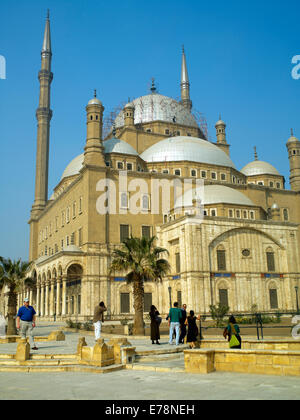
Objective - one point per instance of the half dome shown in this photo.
(187, 148)
(112, 145)
(258, 167)
(213, 194)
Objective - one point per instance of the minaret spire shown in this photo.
(185, 84)
(43, 115)
(47, 35)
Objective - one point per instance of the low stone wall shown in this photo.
(269, 362)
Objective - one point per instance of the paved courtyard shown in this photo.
(134, 384)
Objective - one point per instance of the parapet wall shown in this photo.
(268, 362)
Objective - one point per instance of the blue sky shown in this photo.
(239, 61)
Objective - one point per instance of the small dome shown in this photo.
(129, 105)
(220, 122)
(258, 167)
(213, 194)
(95, 101)
(293, 139)
(187, 148)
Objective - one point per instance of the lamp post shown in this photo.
(170, 298)
(297, 304)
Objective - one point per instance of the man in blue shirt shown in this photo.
(26, 321)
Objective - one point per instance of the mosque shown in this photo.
(240, 250)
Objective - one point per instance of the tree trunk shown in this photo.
(11, 313)
(138, 295)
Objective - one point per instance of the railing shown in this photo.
(258, 324)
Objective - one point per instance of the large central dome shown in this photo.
(156, 107)
(190, 149)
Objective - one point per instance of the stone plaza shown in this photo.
(155, 374)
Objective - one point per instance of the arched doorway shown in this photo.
(73, 293)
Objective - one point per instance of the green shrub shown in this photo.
(70, 323)
(218, 313)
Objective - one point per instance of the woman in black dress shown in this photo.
(192, 330)
(155, 322)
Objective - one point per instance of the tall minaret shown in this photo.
(293, 147)
(43, 115)
(94, 150)
(185, 84)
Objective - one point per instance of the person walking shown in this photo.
(175, 316)
(192, 329)
(183, 324)
(26, 322)
(155, 323)
(232, 331)
(98, 319)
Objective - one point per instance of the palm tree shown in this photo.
(142, 261)
(12, 275)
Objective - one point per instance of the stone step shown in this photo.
(174, 350)
(158, 357)
(61, 368)
(45, 362)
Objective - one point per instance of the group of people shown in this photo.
(180, 324)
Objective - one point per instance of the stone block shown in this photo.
(199, 361)
(291, 370)
(23, 351)
(81, 343)
(103, 355)
(281, 360)
(56, 336)
(294, 360)
(264, 359)
(127, 355)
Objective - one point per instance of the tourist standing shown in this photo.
(192, 329)
(155, 323)
(26, 322)
(98, 319)
(183, 324)
(175, 316)
(232, 331)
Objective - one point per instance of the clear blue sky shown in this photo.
(239, 61)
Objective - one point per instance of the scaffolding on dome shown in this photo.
(202, 123)
(109, 119)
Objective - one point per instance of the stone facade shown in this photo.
(242, 253)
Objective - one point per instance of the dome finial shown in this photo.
(292, 132)
(95, 93)
(153, 88)
(255, 153)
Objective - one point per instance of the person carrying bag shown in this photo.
(232, 331)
